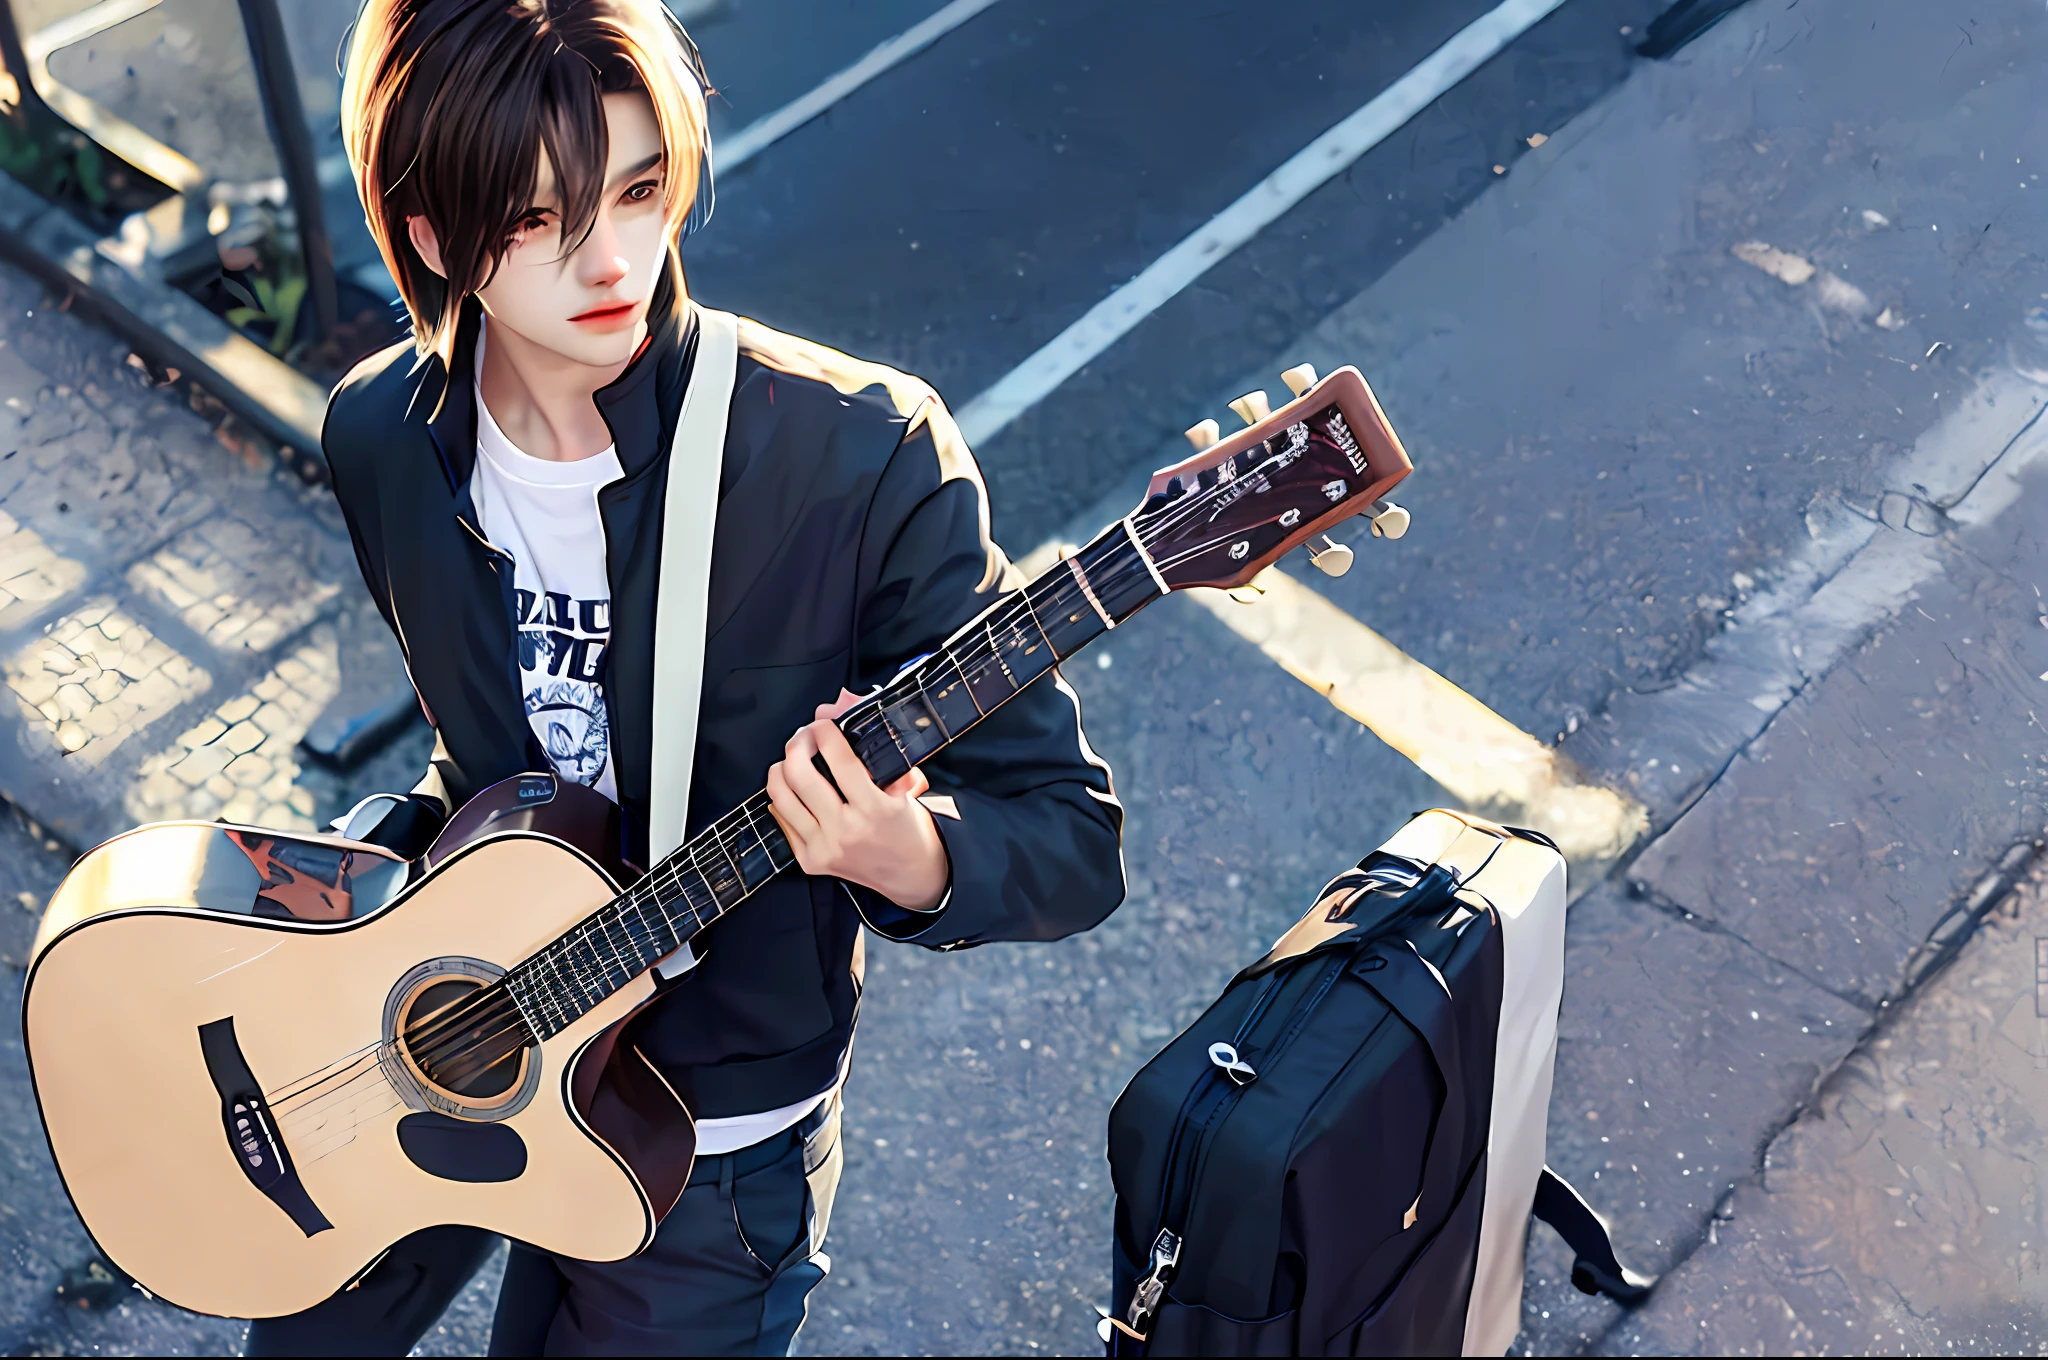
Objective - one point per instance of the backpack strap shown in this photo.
(1596, 1270)
(682, 590)
(1414, 991)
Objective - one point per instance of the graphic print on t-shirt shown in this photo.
(562, 643)
(542, 514)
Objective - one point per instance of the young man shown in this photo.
(527, 167)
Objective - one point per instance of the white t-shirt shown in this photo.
(545, 514)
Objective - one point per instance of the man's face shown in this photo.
(591, 305)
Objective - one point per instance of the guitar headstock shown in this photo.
(1242, 503)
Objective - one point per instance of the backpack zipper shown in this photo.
(1188, 1132)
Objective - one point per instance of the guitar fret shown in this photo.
(757, 846)
(549, 966)
(739, 878)
(995, 650)
(943, 695)
(515, 988)
(752, 875)
(594, 970)
(773, 842)
(546, 1003)
(565, 980)
(690, 870)
(692, 884)
(989, 690)
(649, 937)
(715, 878)
(1044, 641)
(985, 663)
(696, 851)
(1081, 580)
(582, 959)
(682, 884)
(960, 680)
(612, 947)
(673, 937)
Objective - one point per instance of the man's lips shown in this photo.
(611, 313)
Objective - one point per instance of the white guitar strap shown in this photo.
(681, 602)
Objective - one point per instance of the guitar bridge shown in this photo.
(251, 1132)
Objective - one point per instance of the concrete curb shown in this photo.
(164, 325)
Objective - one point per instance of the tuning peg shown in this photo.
(1252, 407)
(1331, 559)
(1300, 378)
(1248, 593)
(1203, 433)
(1388, 520)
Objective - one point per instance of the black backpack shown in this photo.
(1340, 1157)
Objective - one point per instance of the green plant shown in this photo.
(59, 163)
(276, 300)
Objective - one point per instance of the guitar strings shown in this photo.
(437, 1039)
(493, 1000)
(370, 1063)
(288, 1089)
(666, 874)
(723, 832)
(471, 1011)
(307, 1123)
(669, 872)
(336, 1126)
(553, 955)
(282, 1105)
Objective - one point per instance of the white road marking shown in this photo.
(1306, 171)
(758, 136)
(1863, 559)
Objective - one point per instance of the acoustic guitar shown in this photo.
(262, 1057)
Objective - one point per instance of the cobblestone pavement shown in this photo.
(174, 612)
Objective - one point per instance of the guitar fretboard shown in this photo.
(1017, 639)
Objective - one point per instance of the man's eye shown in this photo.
(642, 191)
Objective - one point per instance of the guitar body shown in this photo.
(264, 1058)
(150, 1023)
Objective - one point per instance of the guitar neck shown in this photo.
(928, 705)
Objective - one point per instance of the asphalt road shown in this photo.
(1760, 555)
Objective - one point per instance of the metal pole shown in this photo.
(278, 82)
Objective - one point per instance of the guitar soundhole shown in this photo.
(460, 1034)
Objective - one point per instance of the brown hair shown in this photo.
(448, 106)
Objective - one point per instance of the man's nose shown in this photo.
(600, 261)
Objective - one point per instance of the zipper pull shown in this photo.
(1151, 1290)
(1237, 1069)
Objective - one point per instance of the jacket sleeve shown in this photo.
(1036, 848)
(410, 827)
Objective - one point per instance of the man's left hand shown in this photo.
(879, 838)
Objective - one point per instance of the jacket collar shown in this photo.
(639, 406)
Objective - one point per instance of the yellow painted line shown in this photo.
(1479, 757)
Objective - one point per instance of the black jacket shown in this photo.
(852, 536)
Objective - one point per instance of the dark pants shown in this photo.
(728, 1272)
